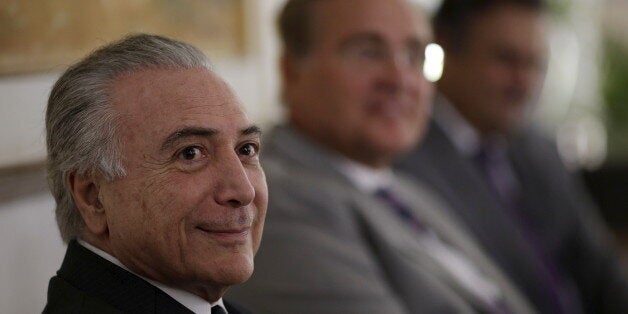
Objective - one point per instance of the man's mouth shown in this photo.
(237, 234)
(393, 109)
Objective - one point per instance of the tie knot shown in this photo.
(217, 309)
(400, 207)
(384, 193)
(489, 153)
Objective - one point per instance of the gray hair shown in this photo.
(81, 124)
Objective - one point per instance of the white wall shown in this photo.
(31, 251)
(22, 107)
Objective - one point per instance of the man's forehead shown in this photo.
(350, 17)
(168, 99)
(176, 90)
(511, 27)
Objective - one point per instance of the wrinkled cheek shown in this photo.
(159, 212)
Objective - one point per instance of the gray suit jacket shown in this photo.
(329, 248)
(559, 214)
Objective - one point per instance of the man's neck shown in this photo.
(462, 134)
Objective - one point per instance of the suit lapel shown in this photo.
(456, 179)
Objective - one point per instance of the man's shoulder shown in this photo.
(298, 171)
(88, 283)
(65, 298)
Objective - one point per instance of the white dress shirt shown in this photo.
(191, 301)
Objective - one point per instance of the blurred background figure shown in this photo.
(505, 181)
(345, 234)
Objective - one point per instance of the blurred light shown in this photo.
(582, 143)
(434, 61)
(429, 5)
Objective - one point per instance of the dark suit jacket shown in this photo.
(88, 283)
(558, 212)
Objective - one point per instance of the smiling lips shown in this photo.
(227, 234)
(393, 108)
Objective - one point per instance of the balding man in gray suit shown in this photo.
(344, 233)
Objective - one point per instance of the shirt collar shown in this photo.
(365, 178)
(464, 137)
(191, 301)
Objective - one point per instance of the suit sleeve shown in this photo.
(588, 251)
(597, 268)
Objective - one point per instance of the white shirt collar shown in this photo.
(464, 137)
(365, 178)
(191, 301)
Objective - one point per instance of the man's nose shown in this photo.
(394, 74)
(526, 79)
(233, 187)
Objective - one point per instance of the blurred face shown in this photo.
(496, 74)
(190, 211)
(360, 90)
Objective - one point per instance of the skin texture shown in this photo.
(190, 211)
(360, 89)
(497, 73)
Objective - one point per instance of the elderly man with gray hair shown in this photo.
(154, 168)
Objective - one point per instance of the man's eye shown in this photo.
(416, 57)
(248, 149)
(190, 153)
(371, 53)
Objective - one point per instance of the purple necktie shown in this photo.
(495, 167)
(401, 209)
(500, 176)
(405, 213)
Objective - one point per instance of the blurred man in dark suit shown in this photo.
(504, 181)
(154, 168)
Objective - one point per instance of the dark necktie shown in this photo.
(405, 213)
(495, 167)
(217, 309)
(401, 209)
(500, 176)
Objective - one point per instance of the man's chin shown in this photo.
(231, 270)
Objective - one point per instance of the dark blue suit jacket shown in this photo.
(88, 283)
(559, 213)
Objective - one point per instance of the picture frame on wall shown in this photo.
(42, 35)
(39, 39)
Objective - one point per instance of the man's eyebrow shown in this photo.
(185, 133)
(252, 130)
(414, 42)
(361, 38)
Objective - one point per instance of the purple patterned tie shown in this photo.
(500, 176)
(496, 169)
(400, 208)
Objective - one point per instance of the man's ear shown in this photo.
(86, 194)
(290, 69)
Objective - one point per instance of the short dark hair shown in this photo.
(452, 19)
(295, 26)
